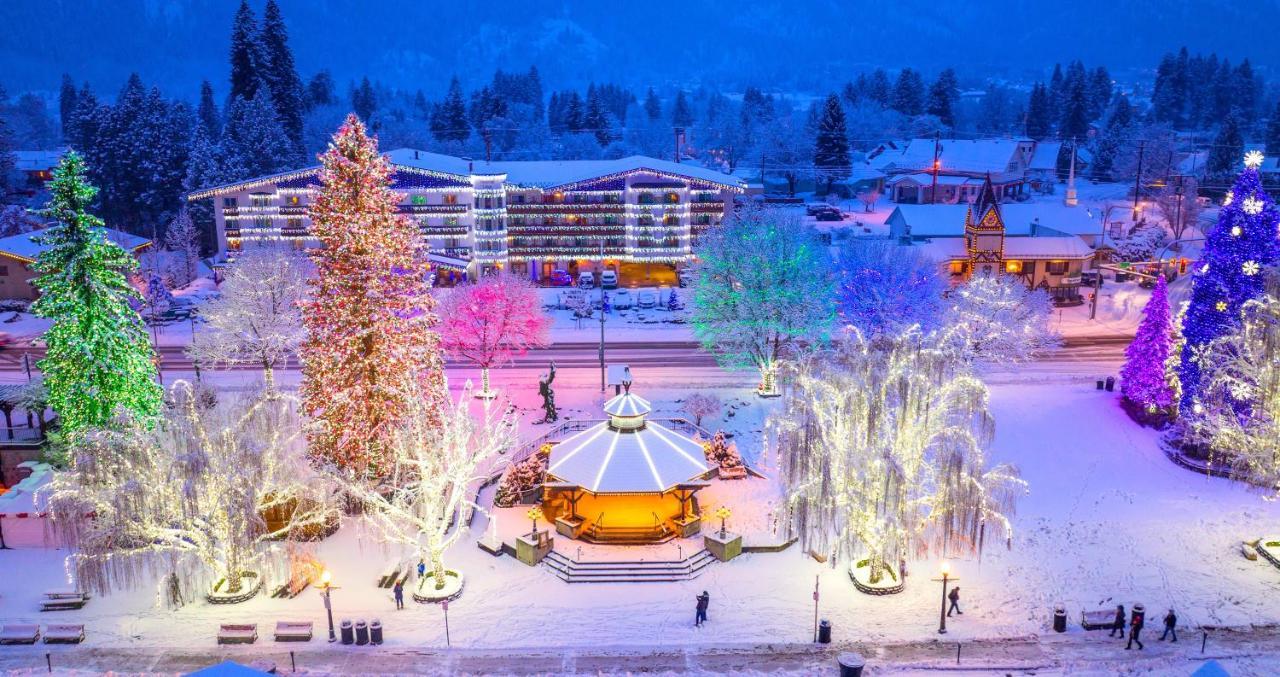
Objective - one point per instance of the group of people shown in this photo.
(1137, 619)
(398, 588)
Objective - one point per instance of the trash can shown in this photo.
(851, 664)
(1059, 618)
(362, 633)
(375, 632)
(1101, 384)
(347, 636)
(824, 632)
(1111, 383)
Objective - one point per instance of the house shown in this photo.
(37, 165)
(1041, 244)
(637, 215)
(950, 171)
(19, 252)
(1042, 172)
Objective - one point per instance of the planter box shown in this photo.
(531, 548)
(889, 584)
(689, 526)
(723, 549)
(569, 527)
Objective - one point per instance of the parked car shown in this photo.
(646, 299)
(586, 279)
(622, 300)
(829, 215)
(686, 277)
(609, 279)
(560, 278)
(1090, 278)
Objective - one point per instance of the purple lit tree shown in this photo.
(1142, 380)
(1230, 272)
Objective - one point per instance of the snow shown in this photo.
(980, 156)
(603, 460)
(23, 245)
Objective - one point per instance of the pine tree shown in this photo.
(1142, 379)
(370, 317)
(574, 114)
(83, 132)
(67, 105)
(1057, 88)
(253, 143)
(652, 107)
(207, 112)
(908, 93)
(449, 120)
(245, 59)
(320, 90)
(1273, 132)
(595, 119)
(1075, 114)
(681, 114)
(879, 88)
(943, 95)
(1099, 93)
(1112, 139)
(1227, 148)
(1231, 271)
(7, 161)
(1038, 113)
(279, 73)
(363, 99)
(831, 149)
(99, 360)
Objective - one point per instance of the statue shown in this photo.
(548, 395)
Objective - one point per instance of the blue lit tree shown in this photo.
(1230, 272)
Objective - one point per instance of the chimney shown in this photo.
(415, 155)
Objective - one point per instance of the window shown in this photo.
(450, 199)
(418, 199)
(259, 199)
(1056, 268)
(4, 271)
(293, 200)
(1013, 267)
(957, 267)
(450, 220)
(673, 198)
(293, 224)
(229, 202)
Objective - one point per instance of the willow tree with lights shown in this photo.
(438, 461)
(188, 499)
(99, 361)
(370, 314)
(881, 446)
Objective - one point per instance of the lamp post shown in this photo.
(723, 513)
(3, 545)
(533, 514)
(326, 587)
(942, 615)
(600, 279)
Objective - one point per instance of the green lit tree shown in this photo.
(99, 360)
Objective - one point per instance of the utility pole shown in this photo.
(937, 149)
(1137, 180)
(600, 279)
(679, 136)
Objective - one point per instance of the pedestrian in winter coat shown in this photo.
(398, 590)
(955, 602)
(1119, 622)
(422, 569)
(704, 600)
(1170, 626)
(1136, 621)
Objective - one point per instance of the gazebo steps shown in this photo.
(628, 535)
(623, 571)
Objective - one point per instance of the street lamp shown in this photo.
(533, 514)
(723, 513)
(946, 578)
(326, 587)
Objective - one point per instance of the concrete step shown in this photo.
(618, 571)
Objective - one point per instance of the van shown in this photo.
(609, 279)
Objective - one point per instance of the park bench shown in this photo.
(238, 633)
(388, 578)
(64, 633)
(1102, 619)
(63, 600)
(293, 631)
(19, 634)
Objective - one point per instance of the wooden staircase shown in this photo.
(623, 571)
(599, 532)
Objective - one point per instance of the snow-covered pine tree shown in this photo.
(1142, 379)
(245, 56)
(207, 114)
(831, 147)
(281, 76)
(253, 142)
(99, 360)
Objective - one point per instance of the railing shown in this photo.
(23, 434)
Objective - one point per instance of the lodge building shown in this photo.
(637, 215)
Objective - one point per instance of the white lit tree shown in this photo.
(997, 319)
(764, 281)
(493, 321)
(188, 499)
(881, 446)
(257, 319)
(437, 461)
(182, 241)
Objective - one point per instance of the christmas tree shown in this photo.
(1230, 272)
(1142, 380)
(99, 360)
(370, 318)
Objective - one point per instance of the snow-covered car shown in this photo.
(646, 299)
(609, 279)
(622, 300)
(686, 277)
(586, 279)
(560, 278)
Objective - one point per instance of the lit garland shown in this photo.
(99, 359)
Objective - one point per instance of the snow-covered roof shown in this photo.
(977, 156)
(926, 179)
(21, 497)
(627, 404)
(926, 221)
(1016, 248)
(1046, 155)
(24, 247)
(37, 160)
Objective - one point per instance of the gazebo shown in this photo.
(626, 480)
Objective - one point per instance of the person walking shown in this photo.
(704, 600)
(1170, 626)
(398, 590)
(422, 569)
(1119, 622)
(1136, 621)
(954, 596)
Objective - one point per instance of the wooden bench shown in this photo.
(65, 633)
(63, 601)
(388, 578)
(1102, 619)
(293, 631)
(19, 634)
(63, 593)
(238, 633)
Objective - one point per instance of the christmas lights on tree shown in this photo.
(1142, 379)
(99, 360)
(1230, 271)
(370, 315)
(492, 322)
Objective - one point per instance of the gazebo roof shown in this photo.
(627, 404)
(651, 459)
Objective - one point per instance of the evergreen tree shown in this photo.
(449, 119)
(203, 171)
(595, 120)
(370, 317)
(681, 115)
(1038, 113)
(1273, 132)
(7, 161)
(363, 99)
(1112, 139)
(652, 107)
(253, 143)
(99, 360)
(1227, 148)
(943, 95)
(1099, 93)
(67, 105)
(279, 73)
(320, 90)
(1075, 114)
(82, 134)
(245, 58)
(908, 93)
(1142, 379)
(1237, 253)
(207, 112)
(1245, 94)
(878, 89)
(574, 115)
(831, 149)
(1057, 89)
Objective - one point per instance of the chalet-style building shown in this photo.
(640, 215)
(980, 238)
(19, 252)
(962, 166)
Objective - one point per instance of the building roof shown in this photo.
(926, 221)
(24, 247)
(37, 160)
(926, 179)
(1017, 248)
(1046, 155)
(974, 156)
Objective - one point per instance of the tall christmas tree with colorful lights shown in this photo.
(99, 360)
(1230, 272)
(1142, 379)
(370, 317)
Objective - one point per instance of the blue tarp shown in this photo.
(227, 669)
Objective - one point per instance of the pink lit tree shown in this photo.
(1143, 378)
(493, 321)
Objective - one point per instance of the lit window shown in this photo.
(1056, 267)
(1013, 266)
(450, 199)
(957, 267)
(418, 199)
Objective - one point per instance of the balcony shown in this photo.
(431, 209)
(554, 209)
